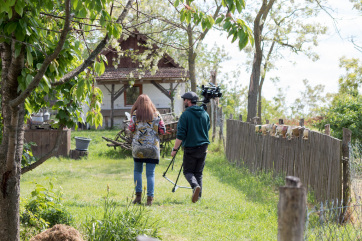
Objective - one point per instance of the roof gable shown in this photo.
(128, 67)
(133, 45)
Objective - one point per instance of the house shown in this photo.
(123, 81)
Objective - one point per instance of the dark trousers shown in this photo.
(193, 164)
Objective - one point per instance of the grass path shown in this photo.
(235, 205)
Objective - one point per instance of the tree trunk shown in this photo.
(12, 101)
(191, 58)
(258, 55)
(254, 87)
(259, 103)
(266, 65)
(12, 145)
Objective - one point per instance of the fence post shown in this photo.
(266, 121)
(281, 122)
(291, 210)
(301, 122)
(231, 116)
(346, 173)
(240, 117)
(221, 126)
(327, 129)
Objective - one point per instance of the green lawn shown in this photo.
(236, 205)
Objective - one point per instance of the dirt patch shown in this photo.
(59, 232)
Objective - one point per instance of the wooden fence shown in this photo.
(45, 140)
(316, 160)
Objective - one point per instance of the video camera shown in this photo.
(209, 92)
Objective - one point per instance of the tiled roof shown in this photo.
(125, 74)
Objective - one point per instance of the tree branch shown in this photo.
(161, 18)
(35, 82)
(24, 43)
(259, 22)
(46, 156)
(161, 43)
(95, 53)
(203, 34)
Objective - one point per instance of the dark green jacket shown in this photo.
(193, 127)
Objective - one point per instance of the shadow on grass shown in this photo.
(170, 201)
(117, 153)
(259, 188)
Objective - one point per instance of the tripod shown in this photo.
(174, 183)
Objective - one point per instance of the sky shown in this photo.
(325, 71)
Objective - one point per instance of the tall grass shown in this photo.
(236, 205)
(119, 223)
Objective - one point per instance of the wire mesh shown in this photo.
(330, 220)
(356, 171)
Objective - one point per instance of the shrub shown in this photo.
(44, 209)
(344, 112)
(117, 224)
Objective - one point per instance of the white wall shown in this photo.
(157, 97)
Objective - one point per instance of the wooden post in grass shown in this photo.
(301, 122)
(346, 173)
(327, 129)
(221, 126)
(281, 122)
(291, 210)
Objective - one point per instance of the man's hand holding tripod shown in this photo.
(176, 147)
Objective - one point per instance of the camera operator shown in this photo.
(193, 133)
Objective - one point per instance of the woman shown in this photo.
(146, 124)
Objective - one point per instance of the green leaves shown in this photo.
(94, 117)
(177, 2)
(220, 19)
(227, 25)
(235, 28)
(239, 30)
(239, 7)
(99, 67)
(45, 84)
(82, 13)
(197, 16)
(19, 9)
(29, 58)
(233, 5)
(37, 28)
(344, 112)
(10, 27)
(80, 89)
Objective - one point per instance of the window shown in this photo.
(131, 94)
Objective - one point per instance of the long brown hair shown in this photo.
(145, 108)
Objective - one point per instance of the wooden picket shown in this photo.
(316, 160)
